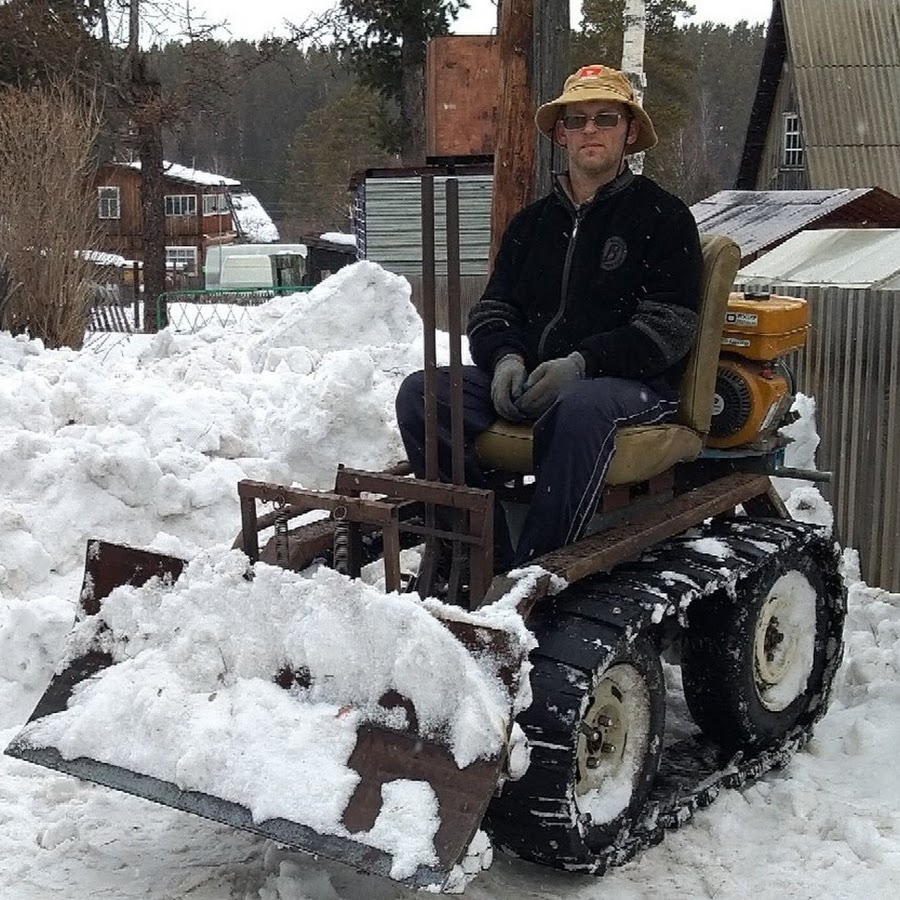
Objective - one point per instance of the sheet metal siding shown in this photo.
(394, 224)
(851, 366)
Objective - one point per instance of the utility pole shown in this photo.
(550, 67)
(514, 140)
(533, 39)
(633, 60)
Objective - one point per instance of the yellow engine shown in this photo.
(753, 389)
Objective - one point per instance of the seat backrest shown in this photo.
(721, 260)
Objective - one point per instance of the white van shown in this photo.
(246, 266)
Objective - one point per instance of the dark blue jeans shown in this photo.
(574, 442)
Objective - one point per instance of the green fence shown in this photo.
(190, 310)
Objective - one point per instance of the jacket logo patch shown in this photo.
(614, 252)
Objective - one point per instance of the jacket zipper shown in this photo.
(577, 216)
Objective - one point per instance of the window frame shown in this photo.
(175, 203)
(793, 154)
(105, 204)
(219, 207)
(189, 251)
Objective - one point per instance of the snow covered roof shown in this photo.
(193, 176)
(760, 220)
(255, 224)
(339, 237)
(839, 257)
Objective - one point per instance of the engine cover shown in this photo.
(750, 401)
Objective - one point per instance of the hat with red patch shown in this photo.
(591, 83)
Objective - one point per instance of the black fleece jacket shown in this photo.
(617, 279)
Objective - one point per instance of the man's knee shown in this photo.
(410, 400)
(589, 401)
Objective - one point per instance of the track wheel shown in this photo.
(760, 662)
(595, 730)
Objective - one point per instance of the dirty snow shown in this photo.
(142, 441)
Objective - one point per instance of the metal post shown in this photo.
(428, 322)
(454, 317)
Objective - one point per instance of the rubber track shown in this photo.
(596, 616)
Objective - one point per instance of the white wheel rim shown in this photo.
(613, 740)
(784, 641)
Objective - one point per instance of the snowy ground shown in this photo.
(142, 442)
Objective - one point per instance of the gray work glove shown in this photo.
(507, 386)
(546, 381)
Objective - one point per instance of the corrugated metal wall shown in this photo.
(393, 234)
(394, 224)
(851, 366)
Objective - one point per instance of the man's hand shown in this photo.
(546, 381)
(507, 386)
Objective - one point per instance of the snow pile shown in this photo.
(144, 443)
(145, 446)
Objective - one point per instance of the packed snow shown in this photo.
(142, 440)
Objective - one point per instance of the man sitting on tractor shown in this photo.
(586, 320)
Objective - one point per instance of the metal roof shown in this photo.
(845, 55)
(759, 220)
(840, 257)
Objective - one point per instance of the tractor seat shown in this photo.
(644, 451)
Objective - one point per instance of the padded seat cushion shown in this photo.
(642, 451)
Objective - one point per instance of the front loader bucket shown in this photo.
(381, 755)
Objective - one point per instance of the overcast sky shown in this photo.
(252, 19)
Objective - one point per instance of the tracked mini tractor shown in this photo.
(692, 558)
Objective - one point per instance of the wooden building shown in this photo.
(199, 212)
(826, 109)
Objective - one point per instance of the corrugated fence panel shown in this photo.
(852, 368)
(394, 224)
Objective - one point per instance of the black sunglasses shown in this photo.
(578, 121)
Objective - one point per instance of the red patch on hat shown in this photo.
(590, 72)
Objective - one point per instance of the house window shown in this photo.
(793, 142)
(181, 204)
(182, 259)
(108, 203)
(214, 205)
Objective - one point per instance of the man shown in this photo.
(587, 318)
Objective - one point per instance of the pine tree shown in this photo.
(386, 41)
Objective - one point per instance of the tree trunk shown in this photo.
(153, 213)
(633, 59)
(142, 96)
(412, 99)
(514, 144)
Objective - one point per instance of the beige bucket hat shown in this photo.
(597, 82)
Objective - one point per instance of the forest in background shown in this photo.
(295, 118)
(296, 126)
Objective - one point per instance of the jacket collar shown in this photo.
(610, 189)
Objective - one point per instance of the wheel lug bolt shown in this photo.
(606, 747)
(604, 721)
(593, 762)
